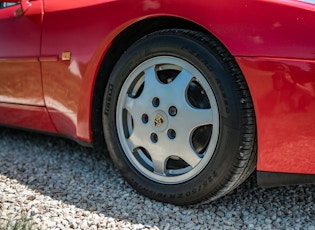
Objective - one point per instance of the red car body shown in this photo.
(50, 61)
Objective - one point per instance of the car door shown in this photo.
(20, 38)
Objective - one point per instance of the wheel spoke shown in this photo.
(151, 84)
(136, 137)
(194, 118)
(132, 105)
(190, 157)
(142, 104)
(181, 147)
(182, 81)
(159, 163)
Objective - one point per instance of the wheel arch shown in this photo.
(121, 43)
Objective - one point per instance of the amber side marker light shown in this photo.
(66, 56)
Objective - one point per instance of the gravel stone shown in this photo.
(60, 185)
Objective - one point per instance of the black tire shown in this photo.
(146, 128)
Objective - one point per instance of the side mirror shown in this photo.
(24, 6)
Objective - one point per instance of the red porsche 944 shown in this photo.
(190, 96)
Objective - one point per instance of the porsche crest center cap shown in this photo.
(159, 120)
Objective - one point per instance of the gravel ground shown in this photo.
(61, 185)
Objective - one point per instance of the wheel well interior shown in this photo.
(124, 40)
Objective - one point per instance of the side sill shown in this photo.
(47, 133)
(272, 179)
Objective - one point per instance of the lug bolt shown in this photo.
(172, 111)
(145, 118)
(171, 134)
(154, 138)
(156, 102)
